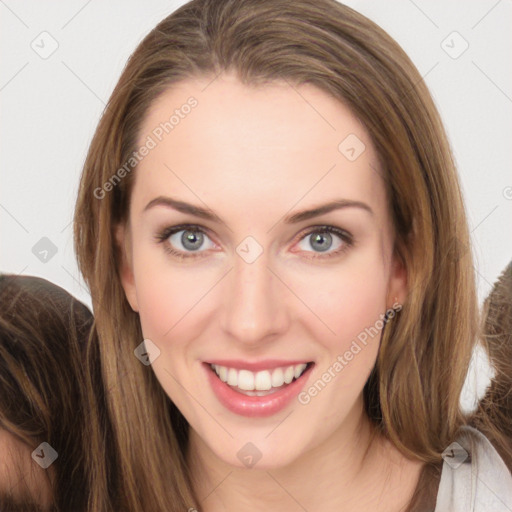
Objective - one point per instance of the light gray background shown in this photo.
(51, 106)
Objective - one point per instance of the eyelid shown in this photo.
(323, 228)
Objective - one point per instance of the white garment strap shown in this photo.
(480, 482)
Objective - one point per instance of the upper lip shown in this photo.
(266, 364)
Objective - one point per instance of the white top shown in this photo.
(474, 477)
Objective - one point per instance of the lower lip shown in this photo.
(255, 406)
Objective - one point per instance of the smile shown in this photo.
(257, 393)
(266, 380)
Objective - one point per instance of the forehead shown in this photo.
(271, 143)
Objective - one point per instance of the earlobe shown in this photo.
(123, 240)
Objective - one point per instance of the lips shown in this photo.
(266, 389)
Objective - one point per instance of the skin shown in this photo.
(254, 155)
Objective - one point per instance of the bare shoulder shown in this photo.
(21, 478)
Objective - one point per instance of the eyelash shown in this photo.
(162, 237)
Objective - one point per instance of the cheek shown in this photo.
(351, 301)
(160, 295)
(347, 298)
(170, 295)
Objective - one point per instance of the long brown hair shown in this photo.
(425, 350)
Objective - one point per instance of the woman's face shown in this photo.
(261, 287)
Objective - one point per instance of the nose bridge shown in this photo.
(253, 309)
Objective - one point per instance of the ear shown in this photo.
(124, 243)
(397, 286)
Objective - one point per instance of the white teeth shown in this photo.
(223, 374)
(245, 380)
(277, 377)
(263, 380)
(289, 374)
(299, 369)
(232, 377)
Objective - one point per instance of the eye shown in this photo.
(320, 238)
(190, 237)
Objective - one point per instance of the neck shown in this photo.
(382, 480)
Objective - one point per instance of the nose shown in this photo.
(254, 311)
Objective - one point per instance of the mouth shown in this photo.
(257, 393)
(261, 383)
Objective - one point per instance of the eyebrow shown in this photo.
(294, 218)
